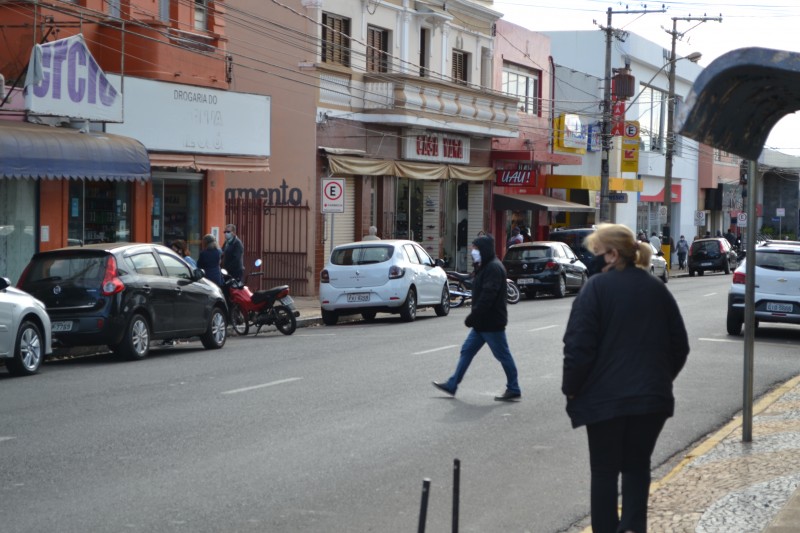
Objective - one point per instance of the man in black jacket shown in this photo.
(487, 319)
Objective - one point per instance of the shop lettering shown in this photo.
(513, 177)
(452, 148)
(195, 97)
(71, 61)
(427, 145)
(277, 196)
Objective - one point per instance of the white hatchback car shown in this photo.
(777, 289)
(382, 276)
(25, 336)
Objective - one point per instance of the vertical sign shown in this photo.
(630, 147)
(333, 195)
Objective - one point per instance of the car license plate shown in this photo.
(779, 308)
(525, 281)
(358, 297)
(61, 326)
(705, 264)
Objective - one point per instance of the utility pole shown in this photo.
(606, 131)
(670, 123)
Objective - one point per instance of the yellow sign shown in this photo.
(630, 147)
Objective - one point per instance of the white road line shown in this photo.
(7, 438)
(436, 349)
(254, 387)
(710, 294)
(543, 327)
(718, 340)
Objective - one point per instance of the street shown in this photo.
(335, 428)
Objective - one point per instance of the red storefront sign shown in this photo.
(618, 118)
(514, 178)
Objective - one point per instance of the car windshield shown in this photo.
(81, 270)
(529, 253)
(362, 255)
(784, 260)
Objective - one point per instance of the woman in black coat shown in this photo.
(210, 258)
(624, 345)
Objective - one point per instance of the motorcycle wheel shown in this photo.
(512, 292)
(285, 320)
(456, 300)
(239, 322)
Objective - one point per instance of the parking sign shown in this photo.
(333, 195)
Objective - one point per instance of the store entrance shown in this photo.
(409, 209)
(177, 209)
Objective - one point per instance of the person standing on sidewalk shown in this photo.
(233, 253)
(487, 321)
(683, 249)
(624, 345)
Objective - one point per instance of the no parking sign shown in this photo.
(333, 195)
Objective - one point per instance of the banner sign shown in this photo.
(514, 178)
(64, 80)
(436, 147)
(630, 147)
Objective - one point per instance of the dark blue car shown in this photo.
(545, 267)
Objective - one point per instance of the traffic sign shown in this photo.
(333, 195)
(780, 212)
(741, 220)
(632, 129)
(699, 218)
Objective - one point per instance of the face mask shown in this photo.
(228, 235)
(476, 256)
(598, 264)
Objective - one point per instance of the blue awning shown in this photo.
(34, 151)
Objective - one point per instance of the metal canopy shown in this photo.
(739, 97)
(34, 151)
(523, 202)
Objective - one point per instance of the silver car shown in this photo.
(25, 337)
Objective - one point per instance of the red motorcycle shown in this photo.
(258, 308)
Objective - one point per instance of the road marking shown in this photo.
(710, 294)
(739, 341)
(717, 340)
(543, 327)
(254, 387)
(436, 349)
(7, 438)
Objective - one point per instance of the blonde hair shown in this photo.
(620, 238)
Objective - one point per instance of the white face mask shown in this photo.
(476, 256)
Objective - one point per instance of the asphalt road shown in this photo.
(334, 428)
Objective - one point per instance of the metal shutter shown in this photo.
(474, 216)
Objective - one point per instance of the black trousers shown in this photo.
(622, 446)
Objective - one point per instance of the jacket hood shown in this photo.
(485, 245)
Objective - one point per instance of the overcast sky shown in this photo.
(745, 23)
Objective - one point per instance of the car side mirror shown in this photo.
(660, 253)
(439, 263)
(198, 274)
(4, 283)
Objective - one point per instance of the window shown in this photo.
(175, 268)
(163, 10)
(335, 39)
(412, 255)
(524, 84)
(201, 15)
(460, 67)
(113, 7)
(652, 119)
(377, 50)
(145, 264)
(424, 48)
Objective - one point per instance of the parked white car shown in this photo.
(658, 264)
(25, 337)
(777, 287)
(382, 276)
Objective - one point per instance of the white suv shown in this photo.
(382, 276)
(777, 289)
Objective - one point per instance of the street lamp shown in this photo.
(693, 57)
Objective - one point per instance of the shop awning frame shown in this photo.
(523, 202)
(361, 166)
(536, 156)
(591, 183)
(45, 152)
(199, 162)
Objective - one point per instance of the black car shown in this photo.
(574, 238)
(545, 266)
(713, 254)
(125, 296)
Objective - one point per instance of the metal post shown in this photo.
(749, 302)
(456, 492)
(670, 135)
(423, 510)
(606, 133)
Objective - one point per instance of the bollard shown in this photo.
(423, 511)
(456, 492)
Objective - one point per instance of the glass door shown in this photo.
(409, 209)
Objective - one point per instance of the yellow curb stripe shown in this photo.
(707, 445)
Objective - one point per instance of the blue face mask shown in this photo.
(476, 256)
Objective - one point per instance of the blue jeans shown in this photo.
(498, 344)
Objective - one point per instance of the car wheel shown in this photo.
(456, 300)
(701, 272)
(28, 350)
(691, 273)
(285, 320)
(239, 322)
(512, 292)
(368, 316)
(665, 275)
(409, 310)
(561, 290)
(734, 323)
(329, 318)
(136, 341)
(443, 309)
(216, 333)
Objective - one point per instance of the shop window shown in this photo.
(107, 212)
(377, 49)
(177, 210)
(18, 224)
(335, 39)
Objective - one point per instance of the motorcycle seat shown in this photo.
(458, 275)
(269, 294)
